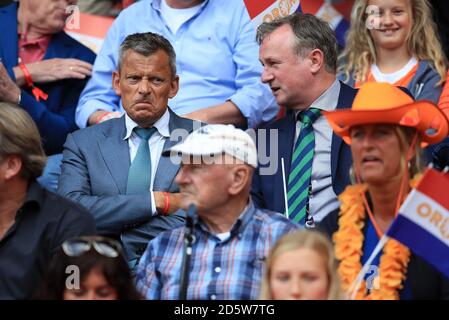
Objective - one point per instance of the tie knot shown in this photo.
(145, 133)
(309, 116)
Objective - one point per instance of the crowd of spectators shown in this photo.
(198, 156)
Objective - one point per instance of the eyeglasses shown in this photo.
(106, 247)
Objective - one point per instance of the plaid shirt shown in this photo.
(224, 270)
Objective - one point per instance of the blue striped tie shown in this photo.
(301, 168)
(139, 174)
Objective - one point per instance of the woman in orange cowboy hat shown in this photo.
(384, 128)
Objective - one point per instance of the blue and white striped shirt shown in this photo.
(224, 270)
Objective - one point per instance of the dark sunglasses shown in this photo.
(106, 247)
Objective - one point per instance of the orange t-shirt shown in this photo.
(403, 82)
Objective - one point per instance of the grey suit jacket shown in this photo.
(94, 173)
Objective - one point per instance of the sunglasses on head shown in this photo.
(106, 247)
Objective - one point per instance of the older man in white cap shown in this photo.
(231, 237)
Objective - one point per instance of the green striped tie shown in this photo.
(301, 167)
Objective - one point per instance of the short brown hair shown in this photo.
(147, 44)
(20, 136)
(310, 33)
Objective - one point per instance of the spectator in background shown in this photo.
(384, 128)
(217, 62)
(299, 54)
(33, 221)
(301, 266)
(386, 45)
(232, 237)
(102, 270)
(33, 43)
(115, 169)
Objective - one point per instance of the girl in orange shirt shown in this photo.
(394, 41)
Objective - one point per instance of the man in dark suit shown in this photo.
(299, 54)
(114, 169)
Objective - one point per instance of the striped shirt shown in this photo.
(224, 270)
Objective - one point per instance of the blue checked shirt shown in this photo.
(223, 270)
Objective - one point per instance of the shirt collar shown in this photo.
(33, 200)
(156, 4)
(42, 42)
(161, 125)
(240, 224)
(326, 101)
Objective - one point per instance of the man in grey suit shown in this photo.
(115, 168)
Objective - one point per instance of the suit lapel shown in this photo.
(345, 99)
(58, 46)
(115, 152)
(285, 146)
(166, 169)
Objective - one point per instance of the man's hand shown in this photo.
(53, 70)
(174, 199)
(225, 113)
(9, 91)
(101, 116)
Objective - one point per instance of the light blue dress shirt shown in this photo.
(217, 60)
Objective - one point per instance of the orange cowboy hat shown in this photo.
(381, 102)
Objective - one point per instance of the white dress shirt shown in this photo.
(156, 145)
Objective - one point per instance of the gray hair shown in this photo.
(20, 136)
(310, 33)
(147, 44)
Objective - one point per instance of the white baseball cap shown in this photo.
(216, 139)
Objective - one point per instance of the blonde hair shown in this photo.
(360, 51)
(313, 240)
(20, 136)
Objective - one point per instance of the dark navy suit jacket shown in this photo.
(267, 190)
(55, 117)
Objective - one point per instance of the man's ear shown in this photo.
(116, 83)
(174, 87)
(240, 176)
(316, 58)
(13, 164)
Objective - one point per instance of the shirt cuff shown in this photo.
(153, 204)
(262, 110)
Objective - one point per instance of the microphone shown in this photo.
(189, 239)
(191, 212)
